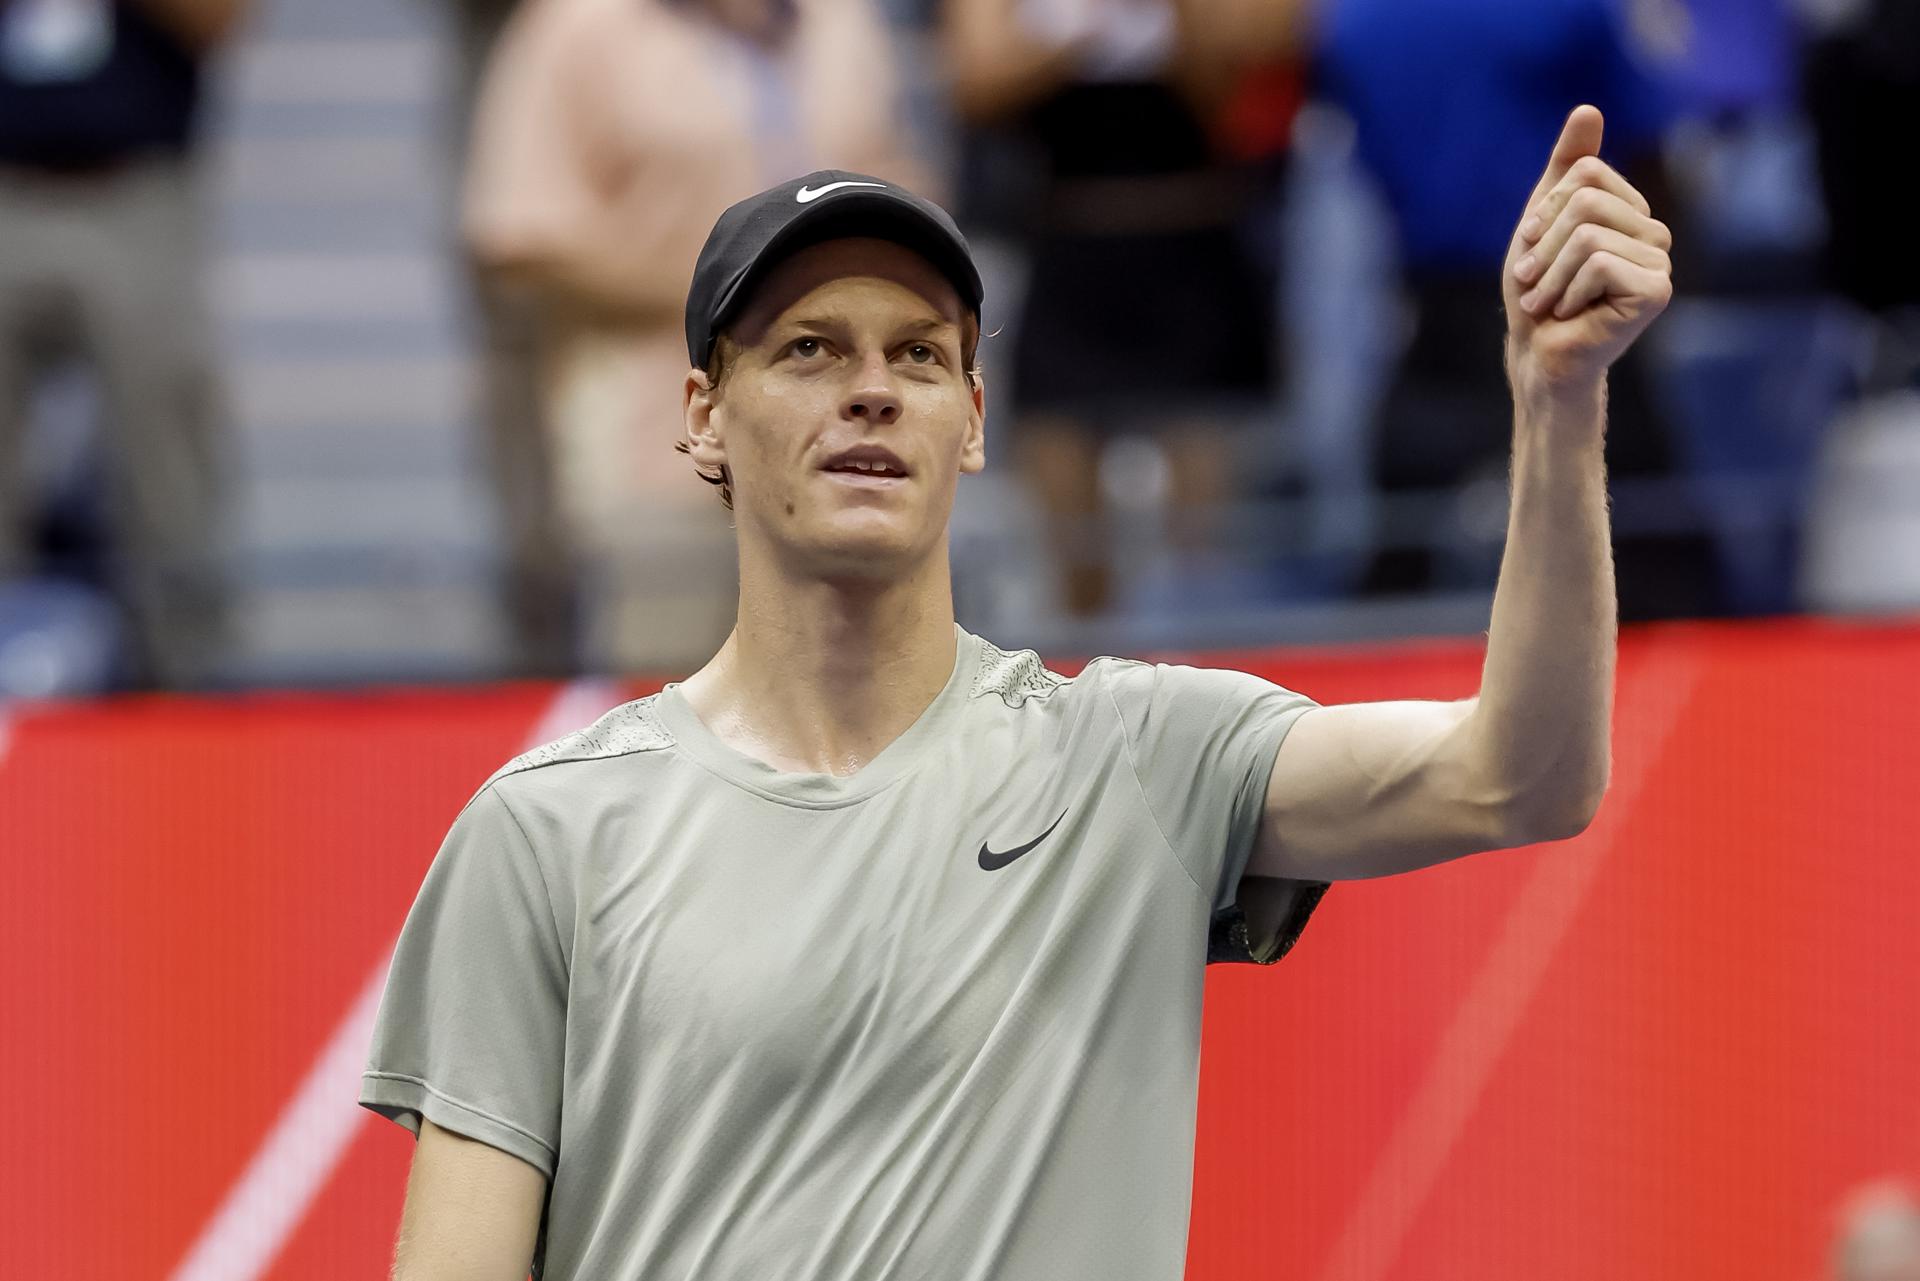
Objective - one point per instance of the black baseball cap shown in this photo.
(753, 236)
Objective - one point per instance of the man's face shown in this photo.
(846, 416)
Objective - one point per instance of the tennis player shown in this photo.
(874, 952)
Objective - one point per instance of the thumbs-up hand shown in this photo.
(1587, 270)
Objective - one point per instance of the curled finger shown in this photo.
(1608, 275)
(1590, 205)
(1590, 171)
(1583, 243)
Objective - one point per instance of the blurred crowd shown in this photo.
(1243, 298)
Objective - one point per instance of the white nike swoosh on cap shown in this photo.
(806, 194)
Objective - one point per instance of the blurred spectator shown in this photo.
(1146, 308)
(1339, 333)
(538, 583)
(610, 135)
(1878, 1238)
(1862, 532)
(539, 587)
(1752, 357)
(100, 261)
(1742, 155)
(1862, 77)
(1455, 108)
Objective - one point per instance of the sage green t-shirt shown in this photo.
(936, 1021)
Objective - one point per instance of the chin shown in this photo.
(864, 547)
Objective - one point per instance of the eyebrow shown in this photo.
(930, 325)
(812, 322)
(926, 325)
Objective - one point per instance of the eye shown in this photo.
(805, 348)
(921, 353)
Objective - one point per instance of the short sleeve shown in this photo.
(1203, 743)
(472, 1024)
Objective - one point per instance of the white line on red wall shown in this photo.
(1496, 1001)
(270, 1199)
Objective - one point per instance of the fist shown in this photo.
(1587, 270)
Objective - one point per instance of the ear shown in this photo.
(973, 448)
(702, 423)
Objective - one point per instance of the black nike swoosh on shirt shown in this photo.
(991, 861)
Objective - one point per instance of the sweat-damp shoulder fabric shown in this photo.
(757, 1024)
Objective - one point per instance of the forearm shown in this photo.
(622, 269)
(993, 80)
(201, 23)
(1220, 39)
(1544, 715)
(598, 284)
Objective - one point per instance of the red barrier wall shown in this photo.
(1662, 1050)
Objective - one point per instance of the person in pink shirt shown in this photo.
(608, 137)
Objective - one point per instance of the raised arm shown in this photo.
(1370, 789)
(995, 65)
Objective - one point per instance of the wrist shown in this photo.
(1539, 395)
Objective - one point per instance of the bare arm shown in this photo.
(994, 67)
(203, 24)
(1546, 689)
(601, 259)
(1370, 789)
(1587, 271)
(1221, 39)
(472, 1212)
(1373, 788)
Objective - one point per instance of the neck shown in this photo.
(820, 675)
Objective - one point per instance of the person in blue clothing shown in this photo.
(1448, 101)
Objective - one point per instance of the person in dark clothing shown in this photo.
(1146, 310)
(100, 261)
(1862, 86)
(538, 573)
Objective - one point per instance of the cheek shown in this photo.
(768, 454)
(781, 480)
(956, 409)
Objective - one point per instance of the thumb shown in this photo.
(1580, 136)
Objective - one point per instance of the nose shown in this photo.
(872, 398)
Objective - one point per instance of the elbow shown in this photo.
(1559, 818)
(989, 83)
(979, 101)
(1571, 824)
(205, 29)
(510, 248)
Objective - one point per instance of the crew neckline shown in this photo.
(823, 791)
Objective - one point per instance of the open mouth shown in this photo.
(877, 475)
